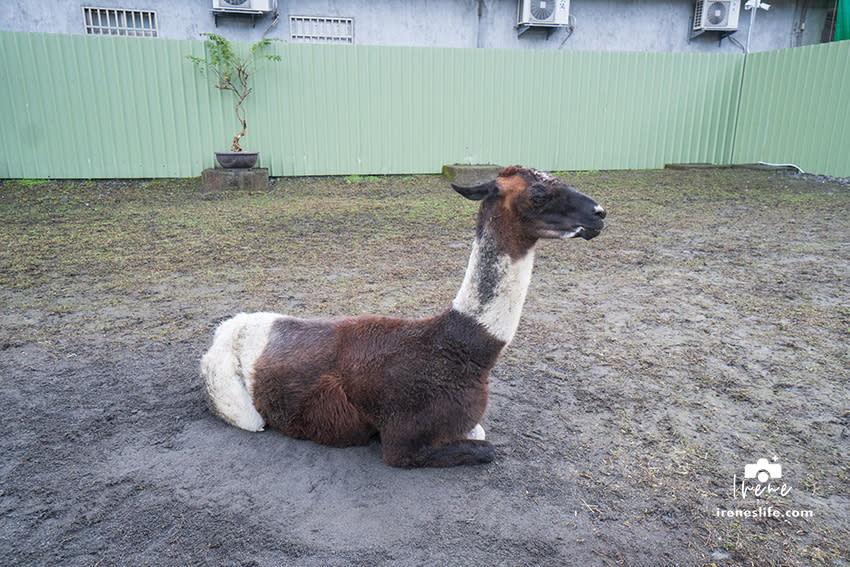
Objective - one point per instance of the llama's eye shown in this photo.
(539, 195)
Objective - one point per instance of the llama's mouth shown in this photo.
(582, 232)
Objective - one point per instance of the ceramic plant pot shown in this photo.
(237, 160)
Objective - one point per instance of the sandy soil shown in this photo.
(706, 328)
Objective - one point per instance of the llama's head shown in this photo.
(523, 205)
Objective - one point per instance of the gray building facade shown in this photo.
(592, 25)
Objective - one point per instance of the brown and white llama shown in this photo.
(420, 384)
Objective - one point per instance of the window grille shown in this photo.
(321, 30)
(110, 21)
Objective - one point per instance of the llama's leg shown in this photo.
(477, 432)
(461, 452)
(227, 368)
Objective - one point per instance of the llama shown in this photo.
(421, 385)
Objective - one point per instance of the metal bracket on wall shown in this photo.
(722, 34)
(521, 29)
(253, 13)
(696, 33)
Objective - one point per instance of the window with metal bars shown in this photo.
(321, 30)
(112, 21)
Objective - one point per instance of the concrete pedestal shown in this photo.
(217, 179)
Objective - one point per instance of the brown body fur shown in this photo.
(421, 383)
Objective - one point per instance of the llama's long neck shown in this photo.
(494, 287)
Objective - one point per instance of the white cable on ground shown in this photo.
(797, 167)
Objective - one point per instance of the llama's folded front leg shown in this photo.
(454, 453)
(463, 452)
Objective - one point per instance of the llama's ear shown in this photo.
(478, 192)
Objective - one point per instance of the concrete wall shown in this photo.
(600, 25)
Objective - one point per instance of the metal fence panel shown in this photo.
(405, 110)
(795, 108)
(91, 107)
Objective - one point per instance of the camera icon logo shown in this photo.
(763, 470)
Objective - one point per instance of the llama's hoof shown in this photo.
(477, 433)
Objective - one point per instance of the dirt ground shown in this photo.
(706, 328)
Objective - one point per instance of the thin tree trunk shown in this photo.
(236, 147)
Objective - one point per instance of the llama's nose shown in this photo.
(599, 212)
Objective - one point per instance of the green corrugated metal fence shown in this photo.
(76, 106)
(795, 107)
(91, 107)
(367, 109)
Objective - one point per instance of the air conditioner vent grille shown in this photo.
(542, 9)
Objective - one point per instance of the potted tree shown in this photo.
(233, 73)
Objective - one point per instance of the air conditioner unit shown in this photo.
(247, 6)
(716, 15)
(543, 13)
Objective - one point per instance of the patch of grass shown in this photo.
(166, 226)
(362, 179)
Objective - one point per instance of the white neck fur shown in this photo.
(494, 288)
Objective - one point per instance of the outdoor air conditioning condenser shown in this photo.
(543, 13)
(716, 15)
(247, 6)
